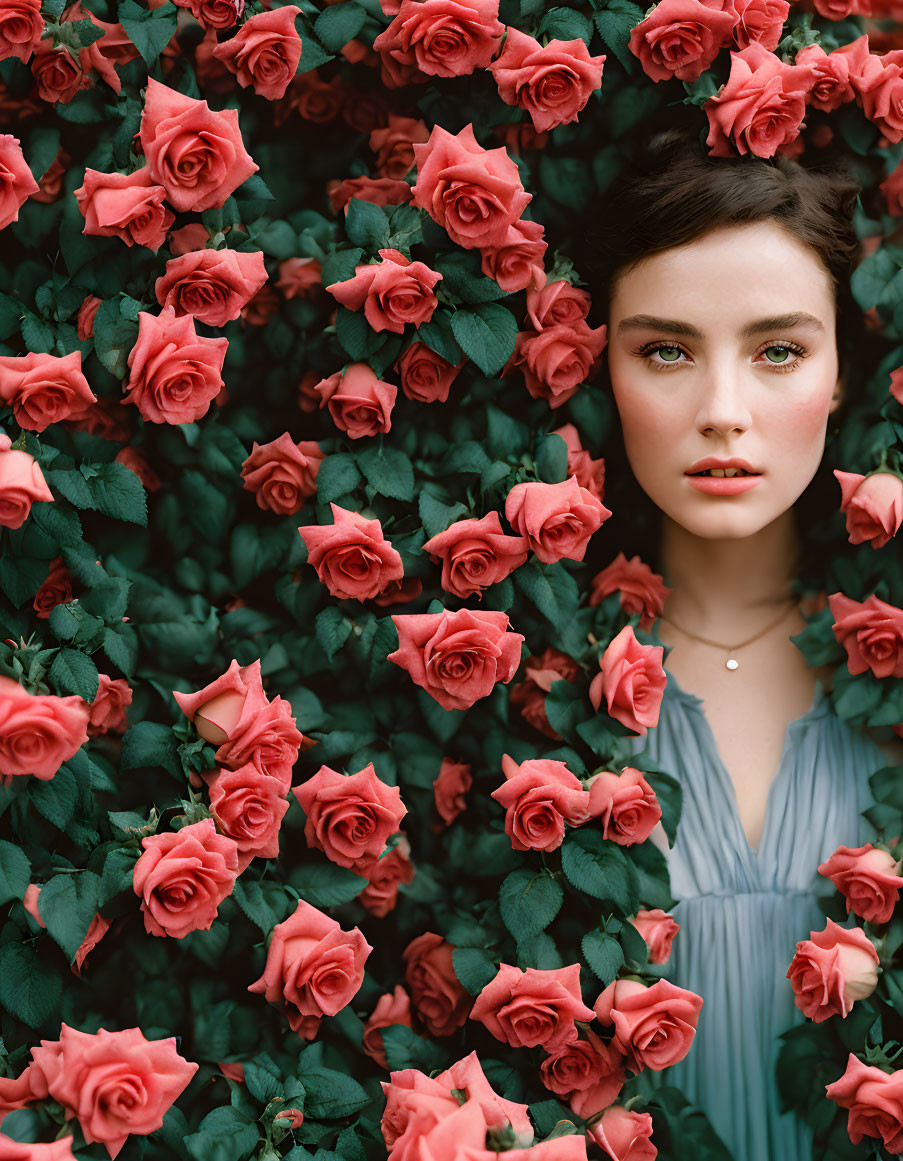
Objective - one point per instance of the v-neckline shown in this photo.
(697, 703)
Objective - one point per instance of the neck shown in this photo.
(720, 585)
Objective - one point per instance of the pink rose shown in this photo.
(270, 740)
(225, 707)
(654, 1026)
(282, 473)
(351, 555)
(359, 403)
(457, 657)
(539, 673)
(21, 25)
(632, 681)
(174, 373)
(128, 206)
(391, 1008)
(468, 1077)
(444, 38)
(393, 292)
(38, 732)
(449, 789)
(216, 14)
(531, 1008)
(265, 51)
(425, 376)
(871, 631)
(832, 970)
(114, 1083)
(385, 876)
(86, 315)
(658, 930)
(349, 817)
(873, 505)
(380, 191)
(552, 82)
(56, 589)
(834, 73)
(588, 1074)
(196, 154)
(103, 55)
(879, 87)
(299, 277)
(558, 304)
(108, 707)
(21, 483)
(248, 807)
(182, 878)
(135, 462)
(211, 285)
(626, 805)
(58, 76)
(539, 797)
(18, 181)
(875, 1101)
(475, 554)
(95, 933)
(868, 878)
(759, 21)
(424, 1121)
(515, 258)
(624, 1134)
(194, 236)
(681, 38)
(761, 108)
(43, 389)
(313, 968)
(590, 473)
(475, 194)
(440, 1000)
(557, 359)
(393, 145)
(641, 590)
(556, 519)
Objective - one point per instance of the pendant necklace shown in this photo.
(731, 662)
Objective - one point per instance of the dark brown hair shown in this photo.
(671, 194)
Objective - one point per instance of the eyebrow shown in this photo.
(776, 322)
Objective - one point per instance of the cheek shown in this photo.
(798, 429)
(650, 421)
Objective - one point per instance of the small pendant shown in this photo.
(732, 663)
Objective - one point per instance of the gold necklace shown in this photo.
(731, 662)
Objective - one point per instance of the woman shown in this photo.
(733, 344)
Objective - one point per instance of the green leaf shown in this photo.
(118, 869)
(114, 337)
(147, 745)
(614, 23)
(405, 1049)
(529, 901)
(56, 798)
(357, 337)
(552, 459)
(332, 630)
(68, 904)
(335, 26)
(436, 516)
(117, 491)
(366, 224)
(670, 799)
(15, 872)
(74, 672)
(566, 706)
(463, 279)
(565, 24)
(149, 30)
(29, 989)
(223, 1135)
(389, 471)
(74, 624)
(599, 868)
(339, 265)
(551, 588)
(337, 476)
(10, 315)
(263, 1079)
(326, 885)
(604, 955)
(474, 968)
(486, 334)
(121, 646)
(330, 1094)
(265, 904)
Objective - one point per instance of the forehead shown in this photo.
(728, 273)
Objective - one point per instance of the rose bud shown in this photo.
(832, 970)
(873, 506)
(658, 930)
(632, 681)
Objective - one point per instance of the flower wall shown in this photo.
(321, 828)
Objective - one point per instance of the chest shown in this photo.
(747, 712)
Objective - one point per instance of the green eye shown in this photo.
(667, 358)
(782, 352)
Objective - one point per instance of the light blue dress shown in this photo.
(742, 910)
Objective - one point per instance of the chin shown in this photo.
(725, 520)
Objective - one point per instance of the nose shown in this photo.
(722, 407)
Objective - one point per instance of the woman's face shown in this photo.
(725, 350)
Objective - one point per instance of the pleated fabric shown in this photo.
(742, 910)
